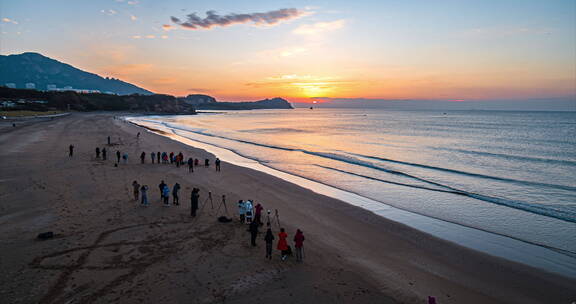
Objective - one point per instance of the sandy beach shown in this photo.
(109, 249)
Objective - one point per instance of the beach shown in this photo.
(109, 249)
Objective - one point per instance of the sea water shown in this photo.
(509, 173)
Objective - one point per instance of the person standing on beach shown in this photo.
(104, 153)
(142, 157)
(161, 187)
(206, 163)
(166, 194)
(152, 156)
(108, 140)
(269, 238)
(253, 232)
(181, 158)
(158, 157)
(196, 162)
(282, 243)
(125, 158)
(136, 188)
(97, 152)
(194, 197)
(190, 165)
(144, 196)
(71, 151)
(299, 244)
(217, 162)
(171, 157)
(175, 190)
(138, 136)
(117, 156)
(258, 214)
(242, 210)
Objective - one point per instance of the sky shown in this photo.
(302, 50)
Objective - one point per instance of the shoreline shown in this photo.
(502, 246)
(109, 249)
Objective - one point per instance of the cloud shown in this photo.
(136, 37)
(132, 2)
(8, 20)
(128, 69)
(319, 27)
(133, 18)
(193, 22)
(168, 27)
(109, 12)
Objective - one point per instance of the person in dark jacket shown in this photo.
(269, 238)
(104, 153)
(71, 151)
(175, 190)
(136, 189)
(253, 232)
(118, 156)
(142, 157)
(206, 163)
(299, 244)
(217, 162)
(190, 165)
(194, 201)
(152, 155)
(97, 152)
(161, 187)
(158, 157)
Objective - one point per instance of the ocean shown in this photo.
(507, 173)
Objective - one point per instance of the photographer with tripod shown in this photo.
(194, 197)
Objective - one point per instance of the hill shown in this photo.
(274, 103)
(43, 71)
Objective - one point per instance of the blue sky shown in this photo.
(339, 49)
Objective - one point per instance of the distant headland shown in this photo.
(31, 81)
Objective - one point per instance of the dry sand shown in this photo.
(109, 249)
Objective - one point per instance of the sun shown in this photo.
(319, 89)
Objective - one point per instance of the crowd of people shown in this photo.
(248, 213)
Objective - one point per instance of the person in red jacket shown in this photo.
(299, 243)
(282, 243)
(258, 214)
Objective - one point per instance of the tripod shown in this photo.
(277, 218)
(206, 200)
(223, 203)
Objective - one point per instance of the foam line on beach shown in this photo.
(486, 242)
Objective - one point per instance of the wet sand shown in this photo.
(109, 249)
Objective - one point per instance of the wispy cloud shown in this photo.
(168, 27)
(109, 12)
(128, 69)
(319, 27)
(212, 19)
(8, 20)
